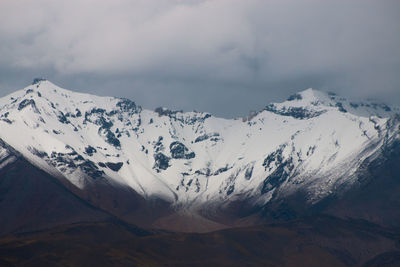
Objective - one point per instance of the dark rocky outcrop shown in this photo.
(161, 161)
(180, 151)
(205, 137)
(28, 102)
(295, 112)
(38, 80)
(114, 166)
(90, 150)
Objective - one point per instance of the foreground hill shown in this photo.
(313, 241)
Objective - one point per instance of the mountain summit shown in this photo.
(315, 146)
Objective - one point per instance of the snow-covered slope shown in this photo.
(313, 142)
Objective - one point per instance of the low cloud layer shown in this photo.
(223, 56)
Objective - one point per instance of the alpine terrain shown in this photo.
(117, 156)
(77, 161)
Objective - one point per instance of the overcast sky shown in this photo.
(226, 57)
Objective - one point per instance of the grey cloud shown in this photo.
(225, 56)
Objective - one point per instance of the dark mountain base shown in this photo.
(316, 241)
(377, 198)
(374, 197)
(31, 199)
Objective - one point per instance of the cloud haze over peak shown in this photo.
(223, 56)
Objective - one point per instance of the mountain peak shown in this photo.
(319, 101)
(41, 83)
(43, 86)
(308, 93)
(305, 104)
(38, 80)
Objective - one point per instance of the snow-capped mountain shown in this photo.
(314, 143)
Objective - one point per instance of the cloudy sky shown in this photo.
(226, 57)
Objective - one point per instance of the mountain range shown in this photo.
(68, 158)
